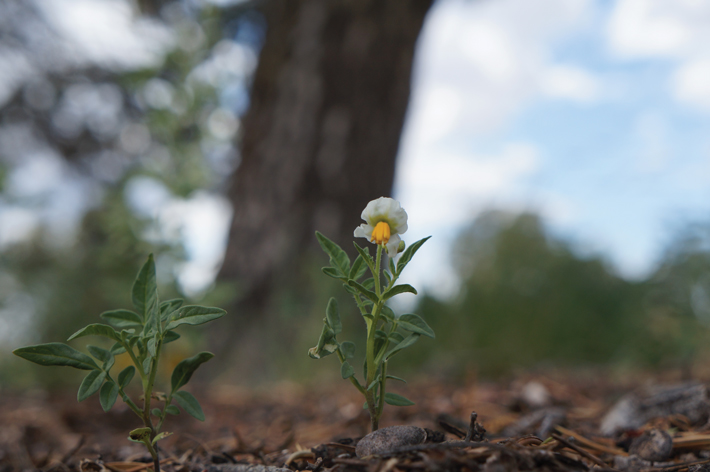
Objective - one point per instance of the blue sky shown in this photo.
(594, 114)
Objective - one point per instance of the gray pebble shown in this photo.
(388, 439)
(653, 445)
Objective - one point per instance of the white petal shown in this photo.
(363, 231)
(393, 245)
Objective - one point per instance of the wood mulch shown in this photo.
(543, 422)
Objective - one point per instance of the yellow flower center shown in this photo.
(381, 233)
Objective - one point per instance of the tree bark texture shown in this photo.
(321, 136)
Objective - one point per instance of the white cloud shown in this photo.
(691, 83)
(672, 29)
(571, 83)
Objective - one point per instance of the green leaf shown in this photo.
(91, 384)
(347, 349)
(108, 395)
(388, 313)
(194, 315)
(326, 344)
(375, 382)
(156, 412)
(330, 272)
(105, 356)
(346, 370)
(140, 435)
(369, 283)
(99, 353)
(332, 316)
(406, 342)
(146, 364)
(168, 307)
(393, 377)
(393, 270)
(152, 346)
(415, 324)
(190, 404)
(184, 370)
(388, 276)
(117, 349)
(126, 375)
(367, 293)
(338, 258)
(396, 338)
(358, 269)
(56, 354)
(97, 329)
(145, 290)
(397, 289)
(408, 254)
(365, 253)
(123, 319)
(170, 336)
(160, 436)
(172, 410)
(397, 400)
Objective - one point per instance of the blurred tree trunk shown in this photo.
(321, 136)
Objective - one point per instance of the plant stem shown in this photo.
(370, 349)
(383, 379)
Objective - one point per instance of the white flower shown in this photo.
(386, 220)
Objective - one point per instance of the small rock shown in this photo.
(653, 445)
(699, 468)
(535, 395)
(388, 439)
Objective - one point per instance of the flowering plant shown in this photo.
(142, 335)
(387, 333)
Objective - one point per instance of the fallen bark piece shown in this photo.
(634, 410)
(653, 445)
(388, 439)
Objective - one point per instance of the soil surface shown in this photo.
(543, 422)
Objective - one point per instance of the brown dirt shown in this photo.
(287, 425)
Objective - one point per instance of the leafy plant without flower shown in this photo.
(387, 333)
(141, 334)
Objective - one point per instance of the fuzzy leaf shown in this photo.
(91, 384)
(346, 370)
(358, 269)
(170, 336)
(394, 377)
(406, 342)
(172, 410)
(365, 254)
(184, 370)
(105, 356)
(397, 400)
(190, 404)
(56, 354)
(108, 395)
(367, 293)
(123, 319)
(330, 272)
(126, 375)
(97, 329)
(347, 349)
(415, 324)
(145, 290)
(168, 307)
(140, 435)
(397, 289)
(194, 315)
(338, 258)
(409, 253)
(160, 436)
(332, 316)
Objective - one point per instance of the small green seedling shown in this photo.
(141, 334)
(387, 333)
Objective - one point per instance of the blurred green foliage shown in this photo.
(528, 299)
